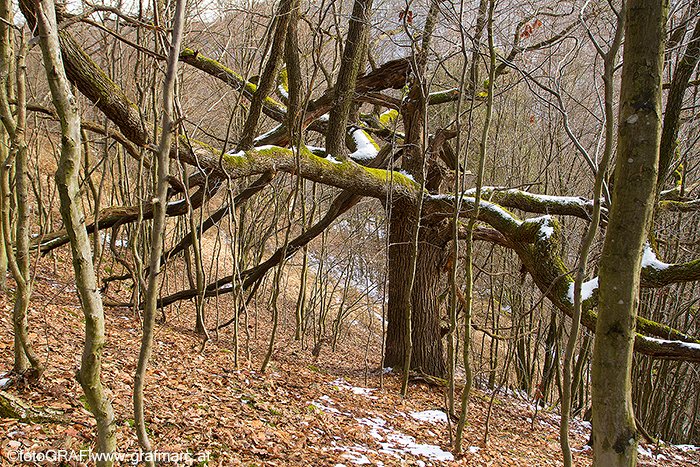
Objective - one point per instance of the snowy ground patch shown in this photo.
(430, 416)
(367, 392)
(389, 440)
(399, 444)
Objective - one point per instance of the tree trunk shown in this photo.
(614, 430)
(67, 182)
(168, 134)
(427, 352)
(267, 79)
(344, 88)
(413, 287)
(589, 237)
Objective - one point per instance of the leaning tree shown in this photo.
(368, 170)
(364, 173)
(388, 129)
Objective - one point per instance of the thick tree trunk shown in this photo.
(413, 285)
(589, 237)
(344, 88)
(427, 352)
(614, 430)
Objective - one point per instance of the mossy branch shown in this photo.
(537, 244)
(14, 407)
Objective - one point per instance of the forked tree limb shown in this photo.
(341, 204)
(540, 257)
(537, 253)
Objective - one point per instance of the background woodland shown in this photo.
(317, 166)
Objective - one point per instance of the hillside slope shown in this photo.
(305, 411)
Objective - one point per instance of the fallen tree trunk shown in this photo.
(14, 407)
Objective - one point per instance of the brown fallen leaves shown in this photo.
(301, 413)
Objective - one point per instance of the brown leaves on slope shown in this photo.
(303, 412)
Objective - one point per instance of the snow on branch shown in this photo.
(348, 175)
(536, 203)
(649, 260)
(365, 147)
(667, 349)
(536, 241)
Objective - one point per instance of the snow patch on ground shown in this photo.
(340, 384)
(326, 408)
(390, 441)
(399, 444)
(385, 429)
(430, 416)
(644, 451)
(357, 458)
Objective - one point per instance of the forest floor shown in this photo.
(304, 411)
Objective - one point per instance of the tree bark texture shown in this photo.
(614, 431)
(344, 88)
(589, 236)
(68, 183)
(427, 353)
